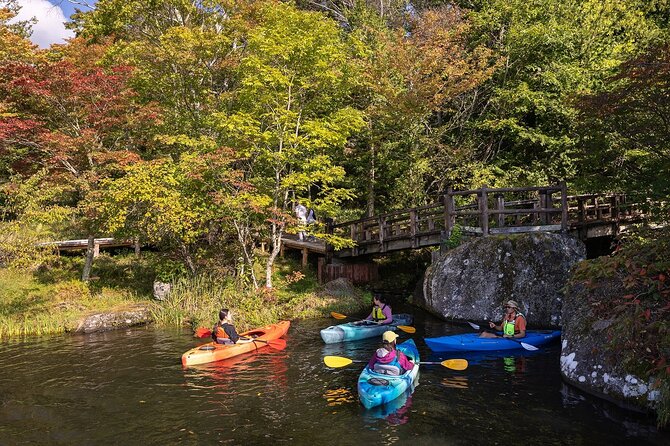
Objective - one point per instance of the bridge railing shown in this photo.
(487, 211)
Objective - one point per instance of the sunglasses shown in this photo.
(507, 306)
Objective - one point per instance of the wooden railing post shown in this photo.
(382, 228)
(500, 206)
(543, 205)
(448, 212)
(564, 207)
(413, 227)
(614, 202)
(354, 237)
(484, 211)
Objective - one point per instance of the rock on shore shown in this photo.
(127, 317)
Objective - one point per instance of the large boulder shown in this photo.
(471, 281)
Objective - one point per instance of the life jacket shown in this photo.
(388, 366)
(378, 314)
(509, 327)
(220, 335)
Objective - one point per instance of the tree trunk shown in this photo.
(371, 184)
(247, 248)
(187, 258)
(276, 247)
(90, 254)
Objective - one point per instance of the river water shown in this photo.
(128, 387)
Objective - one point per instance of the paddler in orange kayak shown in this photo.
(224, 331)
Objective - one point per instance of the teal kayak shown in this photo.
(375, 389)
(472, 342)
(352, 332)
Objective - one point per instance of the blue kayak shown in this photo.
(352, 332)
(375, 389)
(472, 342)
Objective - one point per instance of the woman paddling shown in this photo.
(224, 332)
(388, 359)
(513, 324)
(381, 312)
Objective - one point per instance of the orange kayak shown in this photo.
(212, 351)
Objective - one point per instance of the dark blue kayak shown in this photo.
(472, 342)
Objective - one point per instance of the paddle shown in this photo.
(340, 361)
(405, 328)
(529, 347)
(279, 344)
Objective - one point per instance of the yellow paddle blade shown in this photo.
(407, 328)
(338, 315)
(455, 364)
(336, 361)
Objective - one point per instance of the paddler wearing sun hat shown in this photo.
(389, 357)
(513, 324)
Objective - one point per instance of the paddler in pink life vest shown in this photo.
(388, 359)
(381, 313)
(513, 324)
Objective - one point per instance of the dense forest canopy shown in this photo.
(197, 125)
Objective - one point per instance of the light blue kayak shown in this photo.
(351, 332)
(375, 389)
(472, 342)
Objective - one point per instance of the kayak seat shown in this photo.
(386, 369)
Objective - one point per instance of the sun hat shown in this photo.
(389, 336)
(512, 303)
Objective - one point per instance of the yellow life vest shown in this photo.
(509, 326)
(378, 313)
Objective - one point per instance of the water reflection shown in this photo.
(396, 412)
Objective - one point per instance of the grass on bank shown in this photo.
(297, 295)
(51, 299)
(31, 307)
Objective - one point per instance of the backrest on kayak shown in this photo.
(387, 369)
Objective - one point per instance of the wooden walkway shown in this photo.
(82, 244)
(478, 212)
(488, 211)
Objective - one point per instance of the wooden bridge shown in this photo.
(491, 211)
(482, 212)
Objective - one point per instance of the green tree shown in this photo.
(551, 51)
(291, 117)
(626, 129)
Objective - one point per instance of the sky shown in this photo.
(50, 15)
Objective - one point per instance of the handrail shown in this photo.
(499, 211)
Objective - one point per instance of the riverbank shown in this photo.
(51, 299)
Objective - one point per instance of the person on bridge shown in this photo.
(301, 215)
(224, 332)
(381, 313)
(513, 324)
(388, 359)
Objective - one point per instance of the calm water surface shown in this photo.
(128, 387)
